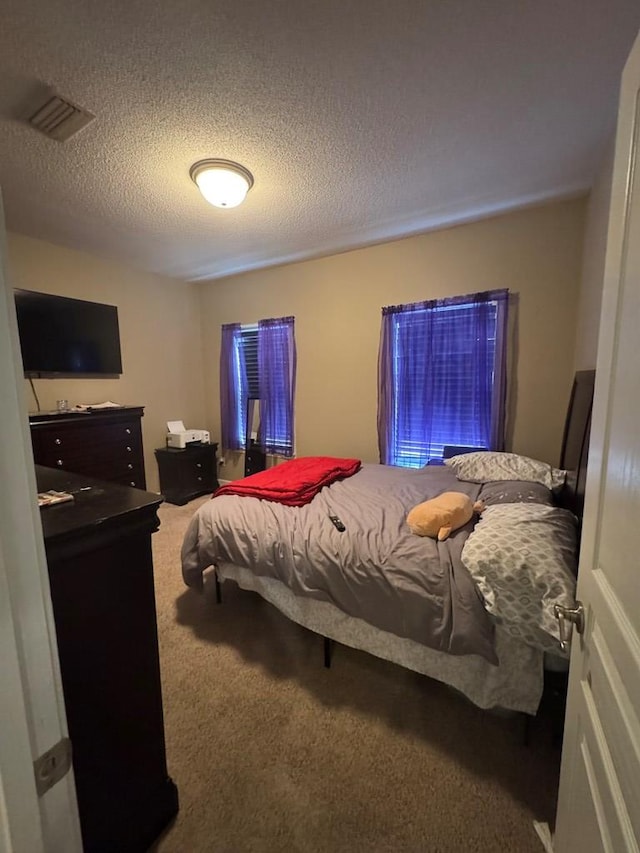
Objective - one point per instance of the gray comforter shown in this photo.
(376, 570)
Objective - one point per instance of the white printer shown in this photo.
(179, 437)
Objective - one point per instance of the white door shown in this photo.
(32, 717)
(599, 801)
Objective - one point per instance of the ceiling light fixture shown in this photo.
(222, 182)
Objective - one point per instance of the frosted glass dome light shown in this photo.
(222, 182)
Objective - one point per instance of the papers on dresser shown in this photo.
(53, 497)
(91, 407)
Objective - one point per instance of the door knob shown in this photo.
(572, 616)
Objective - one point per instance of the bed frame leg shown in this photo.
(328, 645)
(218, 590)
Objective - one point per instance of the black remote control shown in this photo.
(337, 523)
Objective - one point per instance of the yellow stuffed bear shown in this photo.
(443, 514)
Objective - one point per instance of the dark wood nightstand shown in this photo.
(255, 459)
(186, 474)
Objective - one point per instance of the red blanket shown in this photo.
(293, 483)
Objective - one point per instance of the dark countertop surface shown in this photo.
(96, 503)
(56, 416)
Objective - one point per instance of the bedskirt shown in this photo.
(515, 684)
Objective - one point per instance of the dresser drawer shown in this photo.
(118, 471)
(198, 471)
(88, 454)
(134, 478)
(74, 438)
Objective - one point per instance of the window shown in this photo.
(258, 362)
(441, 377)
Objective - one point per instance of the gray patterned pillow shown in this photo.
(487, 465)
(523, 559)
(515, 492)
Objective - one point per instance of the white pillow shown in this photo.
(523, 560)
(486, 465)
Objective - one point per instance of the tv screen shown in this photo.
(66, 337)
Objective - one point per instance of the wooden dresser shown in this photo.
(104, 443)
(100, 566)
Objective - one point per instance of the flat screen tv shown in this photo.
(67, 337)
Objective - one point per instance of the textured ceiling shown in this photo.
(361, 120)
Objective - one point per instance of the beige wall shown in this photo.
(336, 301)
(166, 326)
(595, 243)
(159, 331)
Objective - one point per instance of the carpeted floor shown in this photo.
(272, 752)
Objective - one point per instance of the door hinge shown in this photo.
(52, 765)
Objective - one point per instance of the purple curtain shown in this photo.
(386, 385)
(442, 377)
(231, 391)
(277, 374)
(499, 398)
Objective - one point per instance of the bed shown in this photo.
(438, 608)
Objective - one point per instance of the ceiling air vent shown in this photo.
(59, 119)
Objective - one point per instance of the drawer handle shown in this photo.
(198, 464)
(129, 450)
(57, 441)
(199, 479)
(132, 483)
(59, 463)
(130, 466)
(128, 431)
